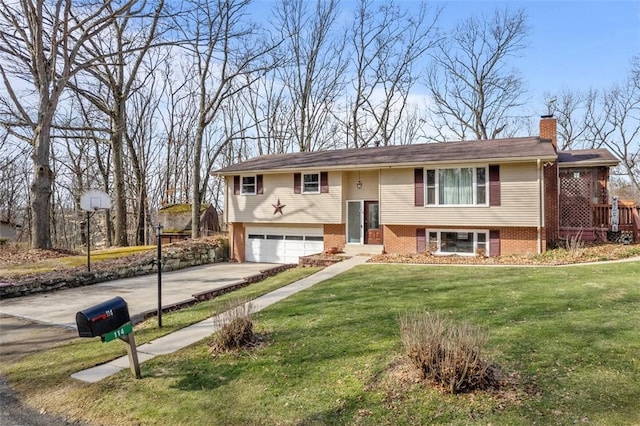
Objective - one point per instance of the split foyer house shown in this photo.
(490, 197)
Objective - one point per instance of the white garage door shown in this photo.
(282, 245)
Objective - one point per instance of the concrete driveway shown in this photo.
(140, 293)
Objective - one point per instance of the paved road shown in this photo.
(140, 293)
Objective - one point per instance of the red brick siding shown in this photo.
(603, 180)
(519, 241)
(401, 239)
(334, 236)
(238, 242)
(548, 130)
(551, 212)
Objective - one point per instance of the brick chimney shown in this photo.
(548, 129)
(551, 182)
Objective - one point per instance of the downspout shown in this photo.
(226, 216)
(540, 206)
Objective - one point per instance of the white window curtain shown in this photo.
(455, 186)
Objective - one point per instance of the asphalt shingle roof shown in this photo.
(588, 157)
(508, 149)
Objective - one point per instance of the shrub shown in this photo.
(235, 329)
(574, 244)
(446, 353)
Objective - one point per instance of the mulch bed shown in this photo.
(588, 253)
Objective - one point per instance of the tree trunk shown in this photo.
(195, 185)
(120, 202)
(42, 181)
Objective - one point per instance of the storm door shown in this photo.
(354, 222)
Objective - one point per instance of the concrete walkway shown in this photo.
(196, 332)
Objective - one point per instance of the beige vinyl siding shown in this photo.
(300, 208)
(519, 201)
(369, 190)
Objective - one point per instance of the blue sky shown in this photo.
(572, 44)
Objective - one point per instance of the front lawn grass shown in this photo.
(568, 337)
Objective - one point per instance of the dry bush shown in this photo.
(446, 353)
(235, 329)
(574, 244)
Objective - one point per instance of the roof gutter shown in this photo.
(374, 166)
(603, 163)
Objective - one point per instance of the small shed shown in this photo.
(7, 230)
(176, 221)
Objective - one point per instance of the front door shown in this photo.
(372, 231)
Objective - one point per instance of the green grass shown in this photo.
(570, 336)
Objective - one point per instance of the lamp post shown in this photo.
(159, 241)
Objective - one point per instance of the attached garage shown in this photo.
(280, 244)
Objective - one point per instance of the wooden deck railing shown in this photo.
(629, 219)
(602, 216)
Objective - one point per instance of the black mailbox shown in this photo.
(103, 318)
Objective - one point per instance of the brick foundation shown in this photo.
(401, 239)
(520, 241)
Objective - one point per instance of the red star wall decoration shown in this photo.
(278, 207)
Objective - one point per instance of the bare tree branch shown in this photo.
(473, 91)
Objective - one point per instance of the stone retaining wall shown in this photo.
(319, 260)
(177, 256)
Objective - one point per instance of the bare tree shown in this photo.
(474, 92)
(386, 44)
(178, 118)
(143, 150)
(13, 168)
(43, 43)
(613, 121)
(313, 72)
(117, 74)
(569, 108)
(270, 112)
(222, 49)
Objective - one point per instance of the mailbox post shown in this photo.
(110, 320)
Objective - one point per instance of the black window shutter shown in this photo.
(324, 182)
(494, 185)
(259, 189)
(494, 243)
(296, 183)
(236, 185)
(418, 187)
(421, 240)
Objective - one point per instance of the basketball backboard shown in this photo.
(94, 199)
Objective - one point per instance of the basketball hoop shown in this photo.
(94, 200)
